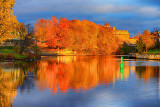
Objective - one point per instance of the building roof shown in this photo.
(107, 25)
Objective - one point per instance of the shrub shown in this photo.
(17, 48)
(10, 56)
(30, 56)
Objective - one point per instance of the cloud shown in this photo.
(133, 25)
(149, 11)
(82, 7)
(132, 15)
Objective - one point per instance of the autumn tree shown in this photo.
(63, 34)
(52, 32)
(90, 31)
(84, 37)
(21, 30)
(76, 38)
(8, 21)
(107, 42)
(58, 33)
(40, 29)
(148, 39)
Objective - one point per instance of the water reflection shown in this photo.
(12, 75)
(76, 73)
(80, 73)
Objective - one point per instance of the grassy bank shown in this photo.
(156, 51)
(8, 53)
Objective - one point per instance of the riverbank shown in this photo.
(10, 53)
(13, 57)
(145, 56)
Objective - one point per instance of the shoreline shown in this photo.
(145, 56)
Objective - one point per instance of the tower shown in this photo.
(114, 28)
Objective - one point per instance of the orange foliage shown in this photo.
(84, 37)
(8, 22)
(78, 73)
(40, 29)
(148, 39)
(63, 34)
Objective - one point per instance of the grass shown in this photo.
(18, 56)
(7, 47)
(7, 51)
(10, 50)
(156, 51)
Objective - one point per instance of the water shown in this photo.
(80, 81)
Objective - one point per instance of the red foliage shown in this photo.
(84, 37)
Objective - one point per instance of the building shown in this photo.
(122, 34)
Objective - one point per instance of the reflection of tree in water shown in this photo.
(28, 83)
(147, 72)
(140, 70)
(9, 81)
(30, 70)
(11, 76)
(78, 72)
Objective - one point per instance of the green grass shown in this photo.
(157, 51)
(18, 56)
(7, 51)
(7, 47)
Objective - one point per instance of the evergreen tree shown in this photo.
(140, 45)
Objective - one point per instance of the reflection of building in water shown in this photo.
(78, 72)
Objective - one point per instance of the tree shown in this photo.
(8, 21)
(126, 48)
(140, 45)
(21, 30)
(148, 39)
(76, 38)
(40, 29)
(84, 37)
(63, 33)
(21, 33)
(90, 30)
(106, 41)
(52, 32)
(30, 29)
(156, 33)
(58, 33)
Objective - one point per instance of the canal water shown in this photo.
(80, 81)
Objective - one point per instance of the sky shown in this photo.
(132, 15)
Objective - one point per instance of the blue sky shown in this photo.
(132, 15)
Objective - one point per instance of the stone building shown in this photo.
(122, 34)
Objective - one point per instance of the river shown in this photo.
(80, 81)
